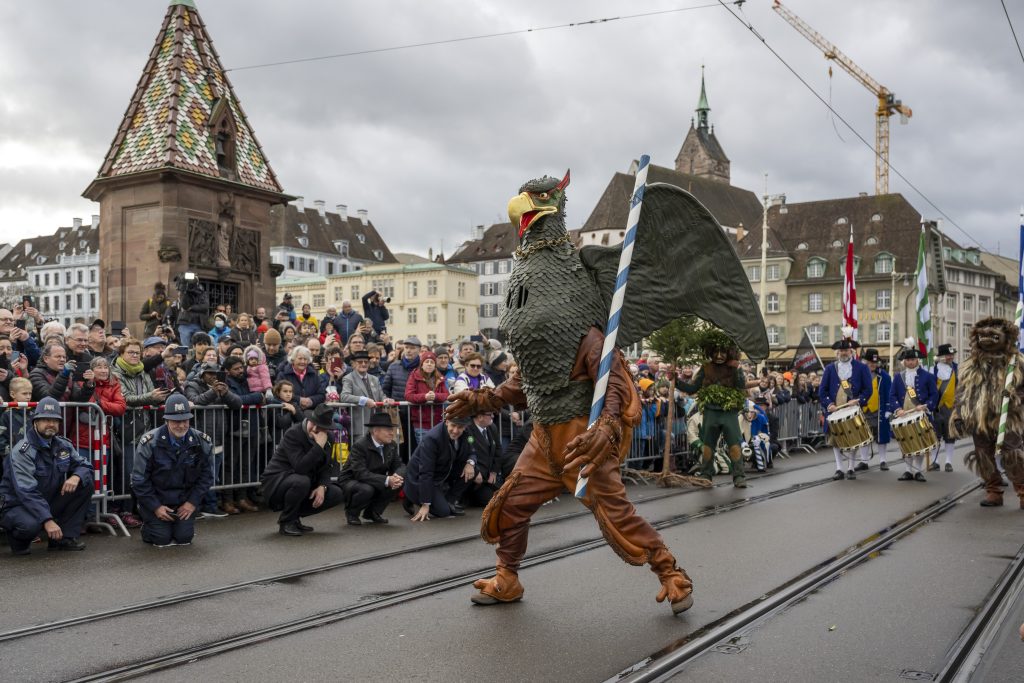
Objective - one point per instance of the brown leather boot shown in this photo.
(504, 587)
(247, 505)
(676, 586)
(229, 507)
(1019, 489)
(993, 492)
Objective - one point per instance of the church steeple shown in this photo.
(702, 103)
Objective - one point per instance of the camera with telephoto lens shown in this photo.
(186, 281)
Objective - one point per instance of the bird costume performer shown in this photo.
(721, 393)
(979, 397)
(846, 381)
(553, 315)
(876, 412)
(913, 388)
(946, 375)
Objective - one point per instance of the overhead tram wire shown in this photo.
(750, 27)
(483, 36)
(1012, 30)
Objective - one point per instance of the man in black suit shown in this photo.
(297, 480)
(439, 469)
(485, 444)
(373, 472)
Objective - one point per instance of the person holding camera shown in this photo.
(193, 306)
(154, 310)
(376, 311)
(57, 377)
(173, 472)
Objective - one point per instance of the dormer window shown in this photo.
(378, 254)
(304, 241)
(837, 243)
(223, 132)
(876, 217)
(361, 237)
(62, 245)
(871, 240)
(40, 260)
(816, 268)
(884, 263)
(303, 228)
(802, 246)
(342, 247)
(82, 243)
(842, 220)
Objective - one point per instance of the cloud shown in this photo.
(435, 139)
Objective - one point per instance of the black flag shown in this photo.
(806, 358)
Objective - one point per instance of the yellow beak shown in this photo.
(523, 213)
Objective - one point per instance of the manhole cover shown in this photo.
(911, 675)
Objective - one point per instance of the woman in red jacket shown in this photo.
(107, 395)
(426, 391)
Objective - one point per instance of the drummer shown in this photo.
(876, 412)
(913, 388)
(946, 380)
(847, 381)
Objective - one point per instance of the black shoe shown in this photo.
(290, 529)
(862, 467)
(353, 519)
(66, 544)
(21, 550)
(838, 475)
(919, 477)
(375, 518)
(883, 466)
(850, 474)
(302, 527)
(409, 507)
(457, 510)
(934, 467)
(906, 476)
(949, 467)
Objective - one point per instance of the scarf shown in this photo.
(410, 364)
(130, 369)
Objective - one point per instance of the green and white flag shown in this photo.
(924, 309)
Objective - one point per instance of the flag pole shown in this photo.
(813, 347)
(1011, 367)
(615, 313)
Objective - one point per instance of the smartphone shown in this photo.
(222, 376)
(20, 323)
(117, 327)
(27, 302)
(336, 363)
(476, 338)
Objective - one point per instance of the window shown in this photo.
(461, 290)
(802, 246)
(856, 264)
(67, 277)
(883, 299)
(882, 332)
(431, 287)
(951, 330)
(81, 277)
(291, 263)
(489, 268)
(967, 331)
(56, 304)
(80, 301)
(970, 278)
(951, 302)
(842, 220)
(386, 288)
(344, 268)
(871, 241)
(413, 287)
(303, 228)
(462, 316)
(318, 300)
(773, 335)
(772, 303)
(378, 254)
(67, 302)
(431, 340)
(815, 333)
(338, 295)
(342, 247)
(814, 302)
(837, 243)
(773, 272)
(312, 265)
(504, 266)
(488, 288)
(968, 302)
(355, 292)
(982, 305)
(876, 217)
(92, 300)
(330, 267)
(37, 279)
(361, 237)
(412, 315)
(431, 314)
(754, 273)
(883, 263)
(816, 268)
(46, 279)
(92, 276)
(488, 310)
(304, 241)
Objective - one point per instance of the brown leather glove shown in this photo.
(470, 402)
(593, 446)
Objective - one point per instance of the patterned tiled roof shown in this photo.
(167, 124)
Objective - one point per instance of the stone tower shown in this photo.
(185, 185)
(701, 155)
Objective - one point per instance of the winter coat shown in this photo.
(378, 315)
(366, 465)
(397, 377)
(297, 453)
(259, 376)
(165, 474)
(309, 386)
(107, 395)
(244, 337)
(435, 463)
(423, 415)
(347, 325)
(138, 394)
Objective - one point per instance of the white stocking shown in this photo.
(839, 458)
(882, 448)
(948, 448)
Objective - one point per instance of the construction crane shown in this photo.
(887, 102)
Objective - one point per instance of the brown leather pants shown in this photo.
(537, 478)
(1013, 462)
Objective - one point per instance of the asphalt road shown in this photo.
(585, 617)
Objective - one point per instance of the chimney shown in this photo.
(77, 222)
(863, 194)
(320, 207)
(740, 233)
(28, 248)
(300, 204)
(364, 216)
(479, 232)
(95, 221)
(342, 211)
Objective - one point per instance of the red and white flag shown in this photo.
(850, 290)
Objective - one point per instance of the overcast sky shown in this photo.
(434, 140)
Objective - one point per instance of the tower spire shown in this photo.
(702, 103)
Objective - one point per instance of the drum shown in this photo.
(914, 433)
(848, 428)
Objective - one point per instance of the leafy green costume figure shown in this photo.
(720, 388)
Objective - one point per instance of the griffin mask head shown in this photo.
(537, 198)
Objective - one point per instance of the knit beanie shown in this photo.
(272, 336)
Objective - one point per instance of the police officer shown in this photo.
(46, 485)
(173, 471)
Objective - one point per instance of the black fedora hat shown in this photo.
(380, 420)
(872, 356)
(945, 350)
(322, 416)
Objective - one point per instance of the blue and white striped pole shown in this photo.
(611, 331)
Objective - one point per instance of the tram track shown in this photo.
(262, 635)
(188, 596)
(673, 659)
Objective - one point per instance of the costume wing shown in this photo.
(683, 263)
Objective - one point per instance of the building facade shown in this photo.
(489, 255)
(434, 301)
